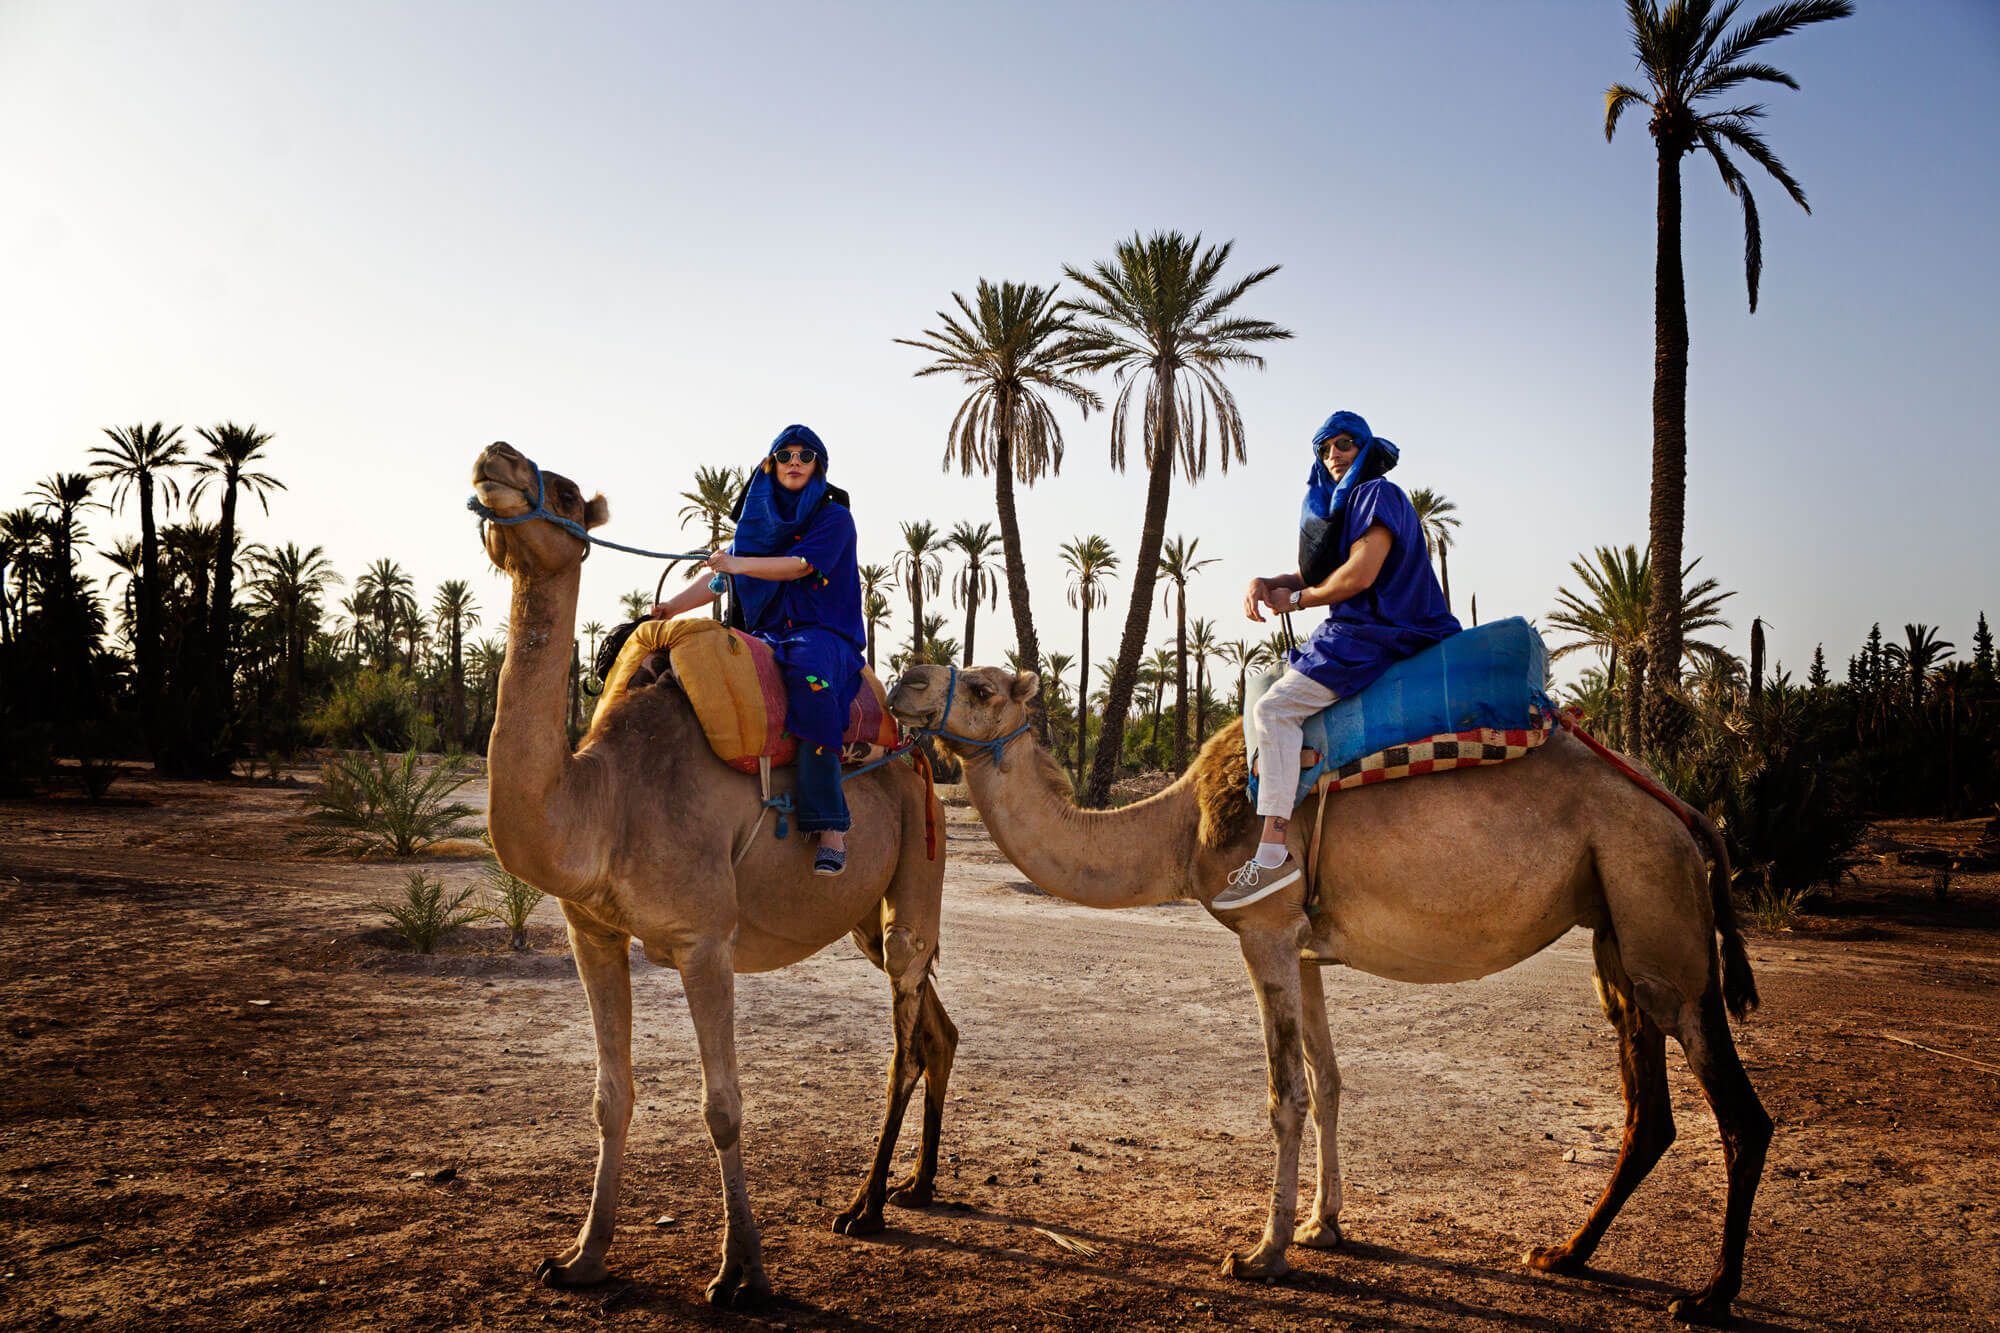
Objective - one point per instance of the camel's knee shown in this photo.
(906, 957)
(722, 1110)
(611, 1106)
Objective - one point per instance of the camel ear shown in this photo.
(1026, 686)
(597, 513)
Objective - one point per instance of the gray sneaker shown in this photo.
(1253, 882)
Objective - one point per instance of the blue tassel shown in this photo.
(781, 824)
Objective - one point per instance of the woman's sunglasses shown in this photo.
(794, 455)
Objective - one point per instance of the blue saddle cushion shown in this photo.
(1492, 675)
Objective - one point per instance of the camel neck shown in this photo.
(1131, 857)
(528, 756)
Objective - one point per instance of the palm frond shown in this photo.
(1774, 23)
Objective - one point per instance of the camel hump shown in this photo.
(732, 681)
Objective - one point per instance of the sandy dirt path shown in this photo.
(175, 1154)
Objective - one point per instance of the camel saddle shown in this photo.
(732, 680)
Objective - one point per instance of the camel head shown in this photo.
(504, 481)
(988, 703)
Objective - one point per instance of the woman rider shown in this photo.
(798, 588)
(1362, 554)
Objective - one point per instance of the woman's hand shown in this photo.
(724, 563)
(1260, 591)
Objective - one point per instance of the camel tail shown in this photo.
(1739, 985)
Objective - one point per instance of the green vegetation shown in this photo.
(508, 898)
(377, 802)
(425, 915)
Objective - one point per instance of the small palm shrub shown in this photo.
(509, 898)
(379, 802)
(368, 708)
(426, 914)
(1776, 909)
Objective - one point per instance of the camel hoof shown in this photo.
(1701, 1308)
(1554, 1259)
(1250, 1266)
(578, 1272)
(736, 1289)
(858, 1223)
(1320, 1235)
(910, 1194)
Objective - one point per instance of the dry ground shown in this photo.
(228, 1094)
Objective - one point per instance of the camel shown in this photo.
(1439, 878)
(644, 833)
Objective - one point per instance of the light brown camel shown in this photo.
(638, 834)
(1440, 878)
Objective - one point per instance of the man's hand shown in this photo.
(723, 563)
(1260, 591)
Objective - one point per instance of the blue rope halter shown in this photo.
(994, 749)
(576, 529)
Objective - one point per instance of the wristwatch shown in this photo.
(1298, 598)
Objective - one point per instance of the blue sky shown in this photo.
(633, 239)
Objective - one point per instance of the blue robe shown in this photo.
(814, 626)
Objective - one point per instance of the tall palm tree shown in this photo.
(20, 534)
(127, 562)
(454, 607)
(484, 663)
(61, 497)
(232, 451)
(591, 630)
(876, 581)
(919, 568)
(717, 491)
(1201, 646)
(1162, 319)
(1688, 57)
(1014, 345)
(289, 582)
(1434, 516)
(636, 603)
(389, 595)
(976, 578)
(1920, 650)
(1157, 672)
(1054, 667)
(1092, 564)
(1245, 657)
(1177, 565)
(142, 460)
(1610, 615)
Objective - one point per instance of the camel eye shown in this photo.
(981, 693)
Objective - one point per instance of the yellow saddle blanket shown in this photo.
(732, 679)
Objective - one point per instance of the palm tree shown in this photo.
(389, 596)
(1920, 650)
(1015, 347)
(484, 663)
(1201, 646)
(1091, 565)
(453, 606)
(20, 533)
(289, 582)
(1245, 657)
(977, 578)
(141, 459)
(717, 491)
(61, 496)
(636, 604)
(1434, 516)
(918, 566)
(876, 581)
(1162, 321)
(232, 449)
(1687, 57)
(1177, 566)
(937, 648)
(125, 558)
(1156, 673)
(1610, 615)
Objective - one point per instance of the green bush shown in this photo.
(370, 708)
(378, 802)
(426, 915)
(510, 899)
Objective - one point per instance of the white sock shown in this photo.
(1270, 855)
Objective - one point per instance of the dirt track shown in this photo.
(175, 1156)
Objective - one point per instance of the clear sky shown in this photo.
(635, 238)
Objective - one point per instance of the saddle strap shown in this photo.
(1325, 786)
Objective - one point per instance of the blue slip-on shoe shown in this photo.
(829, 862)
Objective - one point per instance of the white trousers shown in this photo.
(1276, 721)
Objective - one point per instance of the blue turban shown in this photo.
(773, 517)
(1325, 505)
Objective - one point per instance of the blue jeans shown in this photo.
(821, 800)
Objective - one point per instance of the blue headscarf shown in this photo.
(1325, 505)
(773, 518)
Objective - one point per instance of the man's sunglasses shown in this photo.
(794, 455)
(1332, 447)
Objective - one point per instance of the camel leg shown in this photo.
(938, 1038)
(863, 1216)
(708, 978)
(1649, 1116)
(1746, 1135)
(1273, 960)
(604, 964)
(1322, 1228)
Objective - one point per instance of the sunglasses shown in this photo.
(794, 455)
(1333, 447)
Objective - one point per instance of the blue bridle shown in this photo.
(994, 749)
(575, 529)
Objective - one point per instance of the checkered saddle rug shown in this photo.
(1433, 754)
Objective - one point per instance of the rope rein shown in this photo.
(540, 510)
(995, 749)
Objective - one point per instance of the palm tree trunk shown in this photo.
(152, 682)
(1635, 689)
(1180, 680)
(715, 607)
(971, 616)
(1159, 697)
(295, 662)
(917, 611)
(217, 703)
(871, 644)
(1145, 572)
(1444, 574)
(1200, 701)
(1669, 498)
(457, 685)
(1026, 646)
(1083, 686)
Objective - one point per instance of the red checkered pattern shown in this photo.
(1434, 754)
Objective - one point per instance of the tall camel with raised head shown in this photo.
(1440, 878)
(644, 834)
